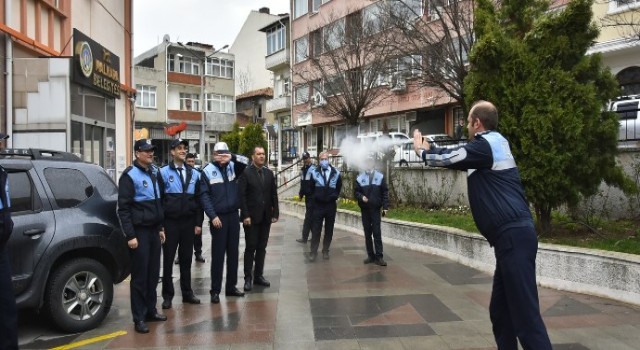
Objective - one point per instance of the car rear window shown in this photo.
(69, 186)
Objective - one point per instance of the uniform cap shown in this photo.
(177, 142)
(143, 145)
(221, 147)
(306, 155)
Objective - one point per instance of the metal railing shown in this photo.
(288, 174)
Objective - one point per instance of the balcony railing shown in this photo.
(279, 104)
(277, 60)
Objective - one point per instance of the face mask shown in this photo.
(324, 163)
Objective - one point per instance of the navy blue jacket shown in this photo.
(305, 181)
(496, 195)
(376, 191)
(220, 186)
(139, 199)
(179, 201)
(326, 191)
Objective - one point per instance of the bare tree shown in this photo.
(433, 39)
(626, 21)
(341, 66)
(244, 81)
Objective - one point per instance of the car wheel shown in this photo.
(79, 295)
(404, 163)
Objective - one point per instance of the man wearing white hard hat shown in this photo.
(221, 203)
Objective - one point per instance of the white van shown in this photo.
(628, 110)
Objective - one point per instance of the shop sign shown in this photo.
(304, 119)
(191, 135)
(94, 66)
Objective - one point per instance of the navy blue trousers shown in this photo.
(8, 309)
(372, 233)
(145, 272)
(308, 218)
(323, 212)
(514, 309)
(225, 240)
(179, 236)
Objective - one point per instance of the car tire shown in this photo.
(404, 163)
(79, 295)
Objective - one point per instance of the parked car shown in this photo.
(406, 156)
(628, 110)
(67, 249)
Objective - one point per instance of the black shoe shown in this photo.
(325, 255)
(247, 285)
(141, 327)
(301, 240)
(381, 262)
(369, 260)
(190, 300)
(311, 257)
(156, 317)
(199, 258)
(233, 292)
(215, 298)
(261, 281)
(166, 304)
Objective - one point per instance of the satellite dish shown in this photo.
(165, 38)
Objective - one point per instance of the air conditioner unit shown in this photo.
(318, 100)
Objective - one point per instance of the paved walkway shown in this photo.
(419, 301)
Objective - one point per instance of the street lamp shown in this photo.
(203, 61)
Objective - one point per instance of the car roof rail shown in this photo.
(39, 154)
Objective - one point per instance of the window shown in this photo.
(276, 39)
(301, 94)
(372, 19)
(219, 67)
(334, 35)
(315, 5)
(317, 43)
(69, 186)
(335, 85)
(23, 195)
(183, 64)
(147, 98)
(300, 7)
(302, 49)
(621, 5)
(407, 66)
(189, 102)
(219, 103)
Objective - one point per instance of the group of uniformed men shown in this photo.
(163, 207)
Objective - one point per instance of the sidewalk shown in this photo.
(419, 301)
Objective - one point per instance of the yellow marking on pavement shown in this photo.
(90, 341)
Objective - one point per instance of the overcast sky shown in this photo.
(215, 22)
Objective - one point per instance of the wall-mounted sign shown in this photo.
(94, 66)
(191, 135)
(304, 119)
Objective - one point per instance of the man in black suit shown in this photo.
(258, 210)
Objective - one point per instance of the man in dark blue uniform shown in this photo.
(8, 309)
(325, 186)
(141, 215)
(221, 202)
(180, 196)
(501, 212)
(197, 240)
(371, 191)
(305, 192)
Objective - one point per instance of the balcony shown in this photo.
(220, 121)
(279, 104)
(277, 60)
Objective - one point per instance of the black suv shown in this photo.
(67, 249)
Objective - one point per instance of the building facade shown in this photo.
(66, 85)
(404, 106)
(187, 91)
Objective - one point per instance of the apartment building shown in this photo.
(187, 91)
(404, 106)
(66, 84)
(277, 60)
